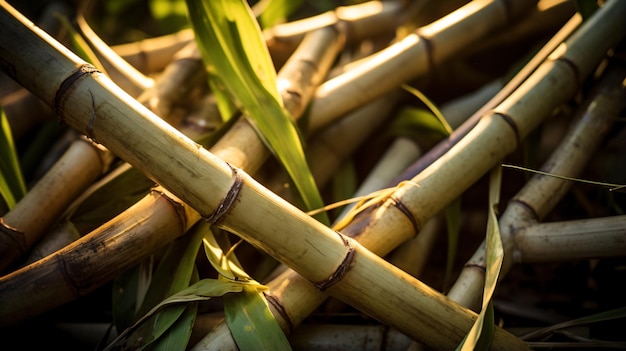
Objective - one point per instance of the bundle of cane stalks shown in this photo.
(380, 175)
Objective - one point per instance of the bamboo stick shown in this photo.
(411, 57)
(195, 175)
(542, 193)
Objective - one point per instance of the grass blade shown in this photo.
(482, 331)
(252, 324)
(595, 318)
(177, 337)
(12, 186)
(235, 54)
(272, 12)
(249, 319)
(79, 45)
(202, 290)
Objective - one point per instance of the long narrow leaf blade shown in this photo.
(232, 48)
(481, 333)
(201, 291)
(12, 186)
(252, 324)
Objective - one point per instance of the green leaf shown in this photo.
(453, 226)
(251, 322)
(616, 313)
(173, 274)
(108, 197)
(79, 45)
(31, 157)
(201, 291)
(484, 324)
(237, 59)
(433, 108)
(344, 184)
(12, 186)
(171, 15)
(226, 264)
(419, 124)
(177, 336)
(125, 296)
(586, 8)
(175, 268)
(272, 12)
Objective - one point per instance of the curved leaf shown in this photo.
(237, 58)
(12, 186)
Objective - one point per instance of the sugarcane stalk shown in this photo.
(347, 337)
(184, 73)
(572, 240)
(152, 55)
(14, 106)
(124, 74)
(459, 133)
(241, 146)
(319, 47)
(411, 57)
(542, 193)
(398, 156)
(82, 163)
(354, 22)
(200, 178)
(552, 84)
(292, 298)
(14, 98)
(331, 146)
(359, 21)
(548, 16)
